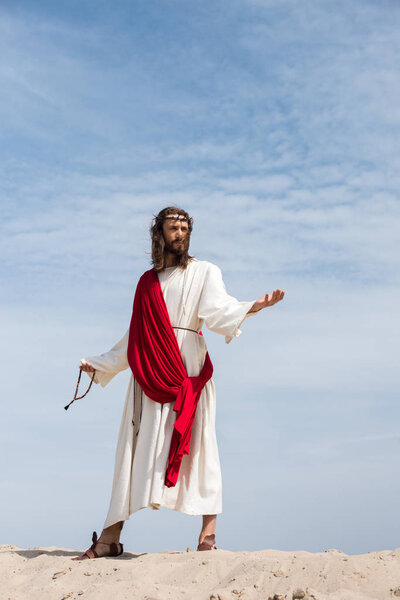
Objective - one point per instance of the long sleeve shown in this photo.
(110, 363)
(221, 312)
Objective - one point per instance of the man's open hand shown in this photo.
(267, 300)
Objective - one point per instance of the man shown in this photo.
(154, 466)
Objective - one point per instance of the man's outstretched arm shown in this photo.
(267, 300)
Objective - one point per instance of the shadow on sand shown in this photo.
(35, 553)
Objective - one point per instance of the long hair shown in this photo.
(158, 242)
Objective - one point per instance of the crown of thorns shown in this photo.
(158, 219)
(176, 218)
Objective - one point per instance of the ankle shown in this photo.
(205, 532)
(108, 539)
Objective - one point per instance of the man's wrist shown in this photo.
(257, 306)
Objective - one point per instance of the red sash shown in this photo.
(156, 363)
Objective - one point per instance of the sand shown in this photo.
(49, 573)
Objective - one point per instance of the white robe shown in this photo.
(193, 296)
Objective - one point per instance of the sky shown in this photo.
(275, 124)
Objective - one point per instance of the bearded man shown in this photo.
(167, 453)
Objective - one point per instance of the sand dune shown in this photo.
(49, 574)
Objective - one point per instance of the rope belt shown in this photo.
(186, 329)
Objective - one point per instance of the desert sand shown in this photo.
(50, 574)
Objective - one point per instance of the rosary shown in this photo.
(76, 397)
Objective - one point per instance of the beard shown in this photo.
(177, 248)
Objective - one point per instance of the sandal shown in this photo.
(208, 543)
(113, 549)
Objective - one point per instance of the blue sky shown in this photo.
(276, 125)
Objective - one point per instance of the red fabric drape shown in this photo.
(156, 363)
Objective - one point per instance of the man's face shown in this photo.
(176, 235)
